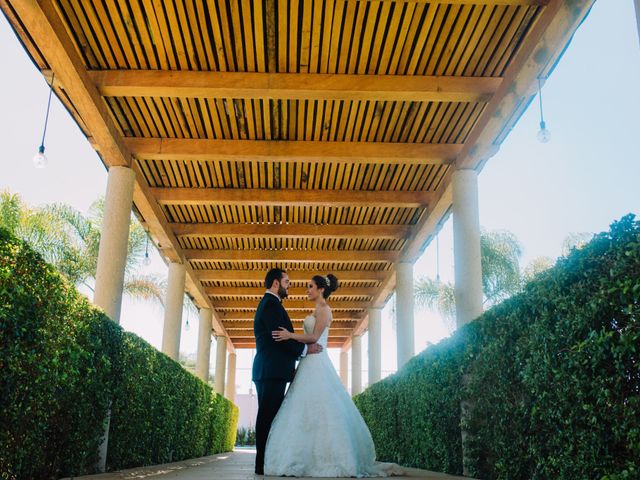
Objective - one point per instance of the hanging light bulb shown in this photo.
(147, 260)
(544, 135)
(40, 159)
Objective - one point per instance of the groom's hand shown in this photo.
(313, 348)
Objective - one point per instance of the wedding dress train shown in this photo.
(318, 431)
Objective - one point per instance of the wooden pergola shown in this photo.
(317, 136)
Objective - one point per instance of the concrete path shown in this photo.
(237, 465)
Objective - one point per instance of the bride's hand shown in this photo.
(281, 335)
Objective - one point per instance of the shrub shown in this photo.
(64, 363)
(552, 378)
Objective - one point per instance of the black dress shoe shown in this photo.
(259, 471)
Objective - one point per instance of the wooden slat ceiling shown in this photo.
(318, 136)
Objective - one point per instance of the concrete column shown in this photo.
(466, 246)
(114, 238)
(204, 345)
(173, 311)
(356, 365)
(404, 312)
(231, 377)
(375, 345)
(344, 369)
(112, 258)
(221, 360)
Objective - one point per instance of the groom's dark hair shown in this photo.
(273, 275)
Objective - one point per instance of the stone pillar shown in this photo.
(356, 365)
(112, 258)
(204, 345)
(221, 360)
(114, 239)
(404, 312)
(231, 377)
(375, 345)
(173, 311)
(466, 246)
(468, 273)
(344, 369)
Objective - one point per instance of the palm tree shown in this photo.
(500, 253)
(70, 241)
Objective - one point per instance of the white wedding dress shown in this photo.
(318, 431)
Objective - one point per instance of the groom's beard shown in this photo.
(282, 292)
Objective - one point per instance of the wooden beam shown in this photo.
(289, 304)
(292, 151)
(291, 230)
(333, 332)
(246, 343)
(293, 291)
(296, 315)
(293, 86)
(249, 339)
(294, 275)
(293, 198)
(293, 256)
(248, 324)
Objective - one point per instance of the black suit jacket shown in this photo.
(273, 360)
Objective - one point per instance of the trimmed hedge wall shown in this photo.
(63, 363)
(552, 378)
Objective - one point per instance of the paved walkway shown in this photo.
(237, 465)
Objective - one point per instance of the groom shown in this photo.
(274, 363)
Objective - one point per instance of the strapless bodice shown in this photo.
(309, 324)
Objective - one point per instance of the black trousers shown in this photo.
(270, 397)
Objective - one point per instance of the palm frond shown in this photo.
(438, 297)
(145, 287)
(500, 253)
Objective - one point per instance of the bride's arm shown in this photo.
(322, 321)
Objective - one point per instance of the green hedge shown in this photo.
(63, 363)
(553, 378)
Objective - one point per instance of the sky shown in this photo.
(586, 177)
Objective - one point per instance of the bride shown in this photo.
(318, 431)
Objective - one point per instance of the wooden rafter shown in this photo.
(291, 151)
(258, 275)
(297, 198)
(296, 315)
(248, 324)
(293, 291)
(333, 332)
(293, 86)
(297, 256)
(289, 304)
(280, 230)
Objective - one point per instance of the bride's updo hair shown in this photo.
(329, 283)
